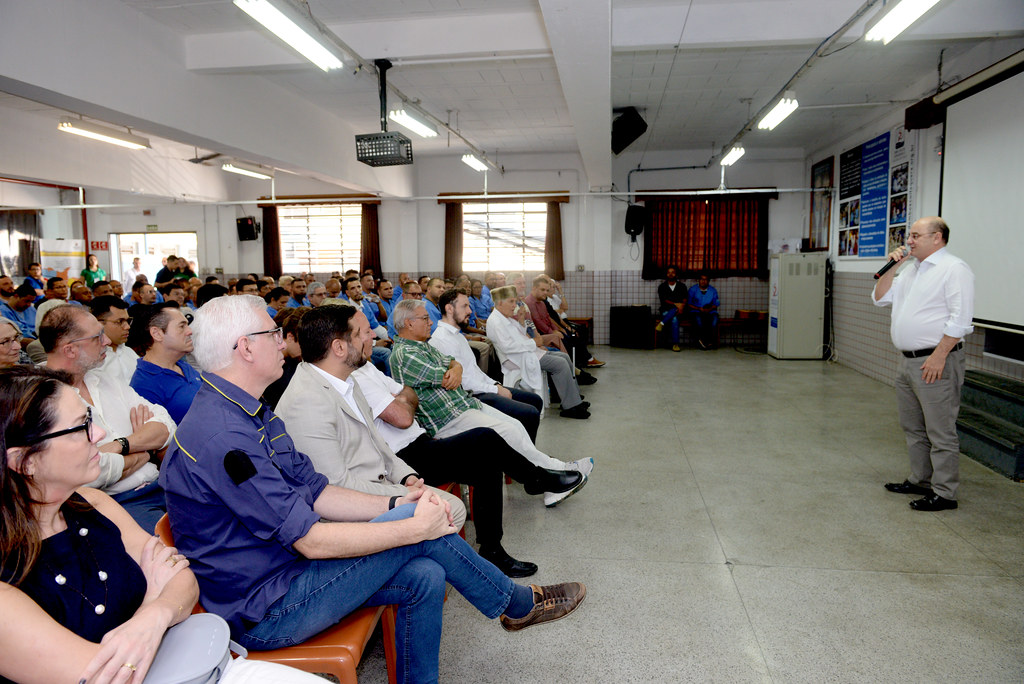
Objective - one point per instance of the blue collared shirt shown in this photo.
(295, 304)
(698, 300)
(165, 387)
(480, 307)
(25, 320)
(238, 529)
(485, 295)
(435, 314)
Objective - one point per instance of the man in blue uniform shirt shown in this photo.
(702, 303)
(249, 512)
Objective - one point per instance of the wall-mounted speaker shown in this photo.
(637, 219)
(626, 128)
(248, 229)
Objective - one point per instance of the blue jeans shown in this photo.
(146, 504)
(411, 577)
(381, 358)
(671, 317)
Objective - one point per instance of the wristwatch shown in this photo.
(125, 448)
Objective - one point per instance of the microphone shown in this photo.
(885, 269)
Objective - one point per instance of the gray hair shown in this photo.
(219, 323)
(404, 310)
(311, 288)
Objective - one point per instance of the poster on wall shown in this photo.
(64, 258)
(875, 197)
(821, 203)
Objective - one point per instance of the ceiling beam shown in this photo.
(580, 35)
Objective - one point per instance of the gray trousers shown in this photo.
(559, 366)
(928, 418)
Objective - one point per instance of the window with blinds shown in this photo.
(320, 238)
(503, 236)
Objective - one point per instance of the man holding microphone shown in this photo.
(932, 303)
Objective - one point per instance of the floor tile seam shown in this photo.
(967, 540)
(917, 573)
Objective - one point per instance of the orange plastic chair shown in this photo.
(335, 651)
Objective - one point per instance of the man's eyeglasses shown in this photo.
(11, 341)
(918, 236)
(415, 295)
(97, 336)
(86, 426)
(276, 332)
(123, 321)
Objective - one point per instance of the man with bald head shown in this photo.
(932, 300)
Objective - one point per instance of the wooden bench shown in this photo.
(744, 319)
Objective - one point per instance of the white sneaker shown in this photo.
(551, 499)
(584, 465)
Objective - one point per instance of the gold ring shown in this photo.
(129, 666)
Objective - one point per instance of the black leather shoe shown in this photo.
(507, 564)
(579, 411)
(908, 487)
(933, 502)
(585, 378)
(556, 481)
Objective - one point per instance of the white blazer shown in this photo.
(519, 355)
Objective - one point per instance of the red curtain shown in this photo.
(271, 242)
(369, 248)
(553, 265)
(452, 239)
(720, 237)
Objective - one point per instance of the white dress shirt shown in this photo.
(379, 391)
(929, 299)
(449, 340)
(344, 388)
(113, 400)
(121, 361)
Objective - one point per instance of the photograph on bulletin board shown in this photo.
(848, 242)
(821, 203)
(897, 237)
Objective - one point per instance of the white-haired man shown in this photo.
(139, 430)
(249, 511)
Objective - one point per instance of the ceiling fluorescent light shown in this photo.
(895, 17)
(248, 170)
(474, 163)
(290, 29)
(734, 154)
(786, 106)
(108, 135)
(414, 121)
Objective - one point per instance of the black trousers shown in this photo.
(479, 458)
(523, 406)
(577, 343)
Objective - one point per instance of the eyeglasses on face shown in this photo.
(11, 341)
(86, 426)
(276, 332)
(918, 236)
(97, 336)
(123, 321)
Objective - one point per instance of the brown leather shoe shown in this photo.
(550, 603)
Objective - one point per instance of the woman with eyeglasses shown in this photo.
(86, 595)
(11, 353)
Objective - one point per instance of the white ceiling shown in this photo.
(543, 75)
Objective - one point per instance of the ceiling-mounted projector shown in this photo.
(384, 148)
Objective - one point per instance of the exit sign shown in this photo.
(99, 246)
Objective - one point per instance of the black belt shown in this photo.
(925, 352)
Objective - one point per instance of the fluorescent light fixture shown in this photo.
(786, 106)
(895, 17)
(108, 135)
(414, 121)
(734, 154)
(248, 170)
(287, 29)
(474, 163)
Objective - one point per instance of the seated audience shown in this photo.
(277, 301)
(297, 290)
(55, 294)
(412, 291)
(136, 429)
(117, 589)
(102, 288)
(18, 309)
(445, 408)
(210, 291)
(546, 324)
(288, 321)
(35, 279)
(143, 295)
(212, 279)
(316, 293)
(525, 361)
(120, 359)
(702, 303)
(11, 353)
(162, 376)
(175, 292)
(448, 339)
(81, 295)
(672, 296)
(480, 304)
(369, 286)
(431, 296)
(388, 298)
(116, 289)
(280, 553)
(246, 286)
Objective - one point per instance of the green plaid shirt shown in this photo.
(422, 367)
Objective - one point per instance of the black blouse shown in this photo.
(79, 560)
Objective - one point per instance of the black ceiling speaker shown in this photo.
(626, 128)
(247, 227)
(637, 219)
